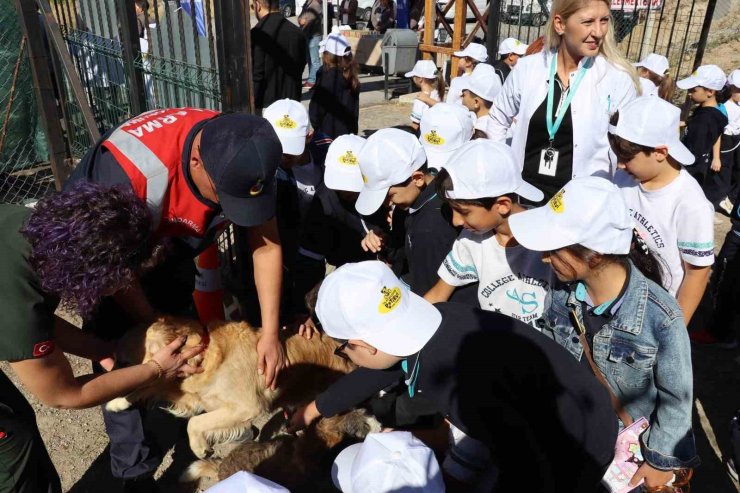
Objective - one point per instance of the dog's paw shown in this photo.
(200, 448)
(117, 405)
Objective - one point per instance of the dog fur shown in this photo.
(289, 460)
(222, 401)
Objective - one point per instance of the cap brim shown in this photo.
(248, 211)
(688, 83)
(461, 54)
(438, 159)
(521, 51)
(680, 153)
(293, 145)
(370, 201)
(406, 334)
(539, 230)
(529, 192)
(410, 74)
(341, 469)
(340, 181)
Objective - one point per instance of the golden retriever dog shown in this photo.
(289, 460)
(222, 401)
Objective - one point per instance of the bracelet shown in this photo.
(160, 370)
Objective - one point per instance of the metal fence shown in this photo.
(24, 170)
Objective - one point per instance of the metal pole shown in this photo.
(494, 17)
(233, 46)
(127, 30)
(325, 16)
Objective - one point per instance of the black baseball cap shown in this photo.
(241, 153)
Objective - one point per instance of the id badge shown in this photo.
(549, 161)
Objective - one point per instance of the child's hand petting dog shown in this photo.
(372, 242)
(174, 363)
(303, 417)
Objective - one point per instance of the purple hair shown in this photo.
(88, 242)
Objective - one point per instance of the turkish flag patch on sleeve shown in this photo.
(42, 348)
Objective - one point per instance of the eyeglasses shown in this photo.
(339, 351)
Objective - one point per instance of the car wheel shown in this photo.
(287, 11)
(539, 20)
(366, 14)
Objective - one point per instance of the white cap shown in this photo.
(512, 45)
(443, 129)
(734, 78)
(483, 82)
(485, 168)
(245, 481)
(425, 69)
(337, 44)
(395, 461)
(366, 301)
(388, 158)
(588, 211)
(652, 122)
(709, 76)
(657, 64)
(476, 51)
(342, 164)
(290, 120)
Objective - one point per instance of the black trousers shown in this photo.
(169, 288)
(25, 466)
(726, 289)
(721, 184)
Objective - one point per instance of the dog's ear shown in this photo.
(331, 430)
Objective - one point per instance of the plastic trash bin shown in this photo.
(399, 50)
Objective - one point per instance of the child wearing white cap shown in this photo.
(707, 122)
(667, 205)
(334, 109)
(479, 91)
(510, 51)
(244, 481)
(428, 78)
(482, 183)
(493, 377)
(654, 77)
(298, 176)
(730, 145)
(473, 55)
(444, 128)
(394, 461)
(614, 317)
(395, 174)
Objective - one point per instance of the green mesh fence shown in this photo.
(25, 174)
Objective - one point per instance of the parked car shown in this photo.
(364, 9)
(288, 7)
(526, 12)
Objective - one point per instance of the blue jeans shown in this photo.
(314, 58)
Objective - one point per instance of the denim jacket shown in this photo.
(644, 354)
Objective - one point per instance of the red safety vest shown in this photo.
(149, 148)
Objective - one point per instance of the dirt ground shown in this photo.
(78, 444)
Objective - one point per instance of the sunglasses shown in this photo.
(339, 351)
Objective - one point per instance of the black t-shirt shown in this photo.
(544, 416)
(703, 129)
(538, 139)
(502, 70)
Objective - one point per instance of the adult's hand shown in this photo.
(174, 363)
(270, 359)
(303, 417)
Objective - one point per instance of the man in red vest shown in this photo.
(197, 170)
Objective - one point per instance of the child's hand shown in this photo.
(372, 242)
(426, 99)
(303, 417)
(716, 165)
(307, 329)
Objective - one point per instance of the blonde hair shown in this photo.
(608, 47)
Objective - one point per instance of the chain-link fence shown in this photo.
(25, 174)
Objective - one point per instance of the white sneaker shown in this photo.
(726, 205)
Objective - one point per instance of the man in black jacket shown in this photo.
(278, 55)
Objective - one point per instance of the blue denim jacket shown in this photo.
(644, 354)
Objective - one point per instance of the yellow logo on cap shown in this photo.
(364, 179)
(257, 188)
(349, 159)
(696, 73)
(517, 42)
(391, 299)
(434, 139)
(286, 122)
(556, 202)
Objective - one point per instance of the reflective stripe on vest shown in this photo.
(149, 165)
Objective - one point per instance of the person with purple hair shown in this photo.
(74, 248)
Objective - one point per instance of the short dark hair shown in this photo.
(624, 149)
(444, 185)
(271, 5)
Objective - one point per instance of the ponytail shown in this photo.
(440, 85)
(644, 259)
(666, 88)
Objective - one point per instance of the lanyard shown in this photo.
(552, 128)
(411, 381)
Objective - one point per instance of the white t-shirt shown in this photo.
(420, 107)
(733, 117)
(648, 88)
(513, 281)
(676, 221)
(484, 123)
(454, 94)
